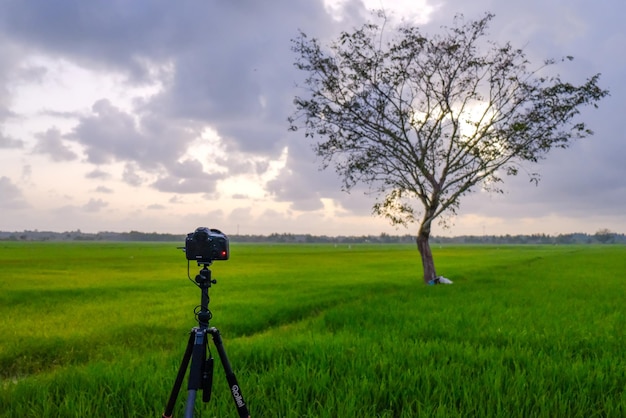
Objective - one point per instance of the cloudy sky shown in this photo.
(160, 115)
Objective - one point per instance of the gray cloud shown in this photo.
(104, 189)
(110, 135)
(12, 197)
(232, 68)
(94, 205)
(98, 174)
(27, 171)
(112, 36)
(7, 142)
(187, 177)
(51, 144)
(130, 176)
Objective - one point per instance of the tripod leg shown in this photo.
(196, 371)
(179, 378)
(235, 391)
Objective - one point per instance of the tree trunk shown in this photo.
(423, 246)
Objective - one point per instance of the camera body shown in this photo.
(205, 245)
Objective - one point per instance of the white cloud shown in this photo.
(413, 11)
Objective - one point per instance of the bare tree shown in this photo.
(425, 120)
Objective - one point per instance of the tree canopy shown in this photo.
(424, 120)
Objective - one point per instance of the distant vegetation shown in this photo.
(603, 236)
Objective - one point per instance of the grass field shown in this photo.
(99, 329)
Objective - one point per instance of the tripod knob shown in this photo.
(204, 317)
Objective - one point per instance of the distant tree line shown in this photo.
(602, 236)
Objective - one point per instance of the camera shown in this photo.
(205, 245)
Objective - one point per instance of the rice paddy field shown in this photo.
(99, 330)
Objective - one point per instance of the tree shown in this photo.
(605, 236)
(425, 120)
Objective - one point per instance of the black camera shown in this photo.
(205, 245)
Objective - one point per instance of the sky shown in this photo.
(161, 116)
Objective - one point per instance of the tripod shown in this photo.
(201, 370)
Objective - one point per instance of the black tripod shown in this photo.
(201, 370)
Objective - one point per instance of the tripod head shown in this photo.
(204, 276)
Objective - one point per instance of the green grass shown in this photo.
(98, 329)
